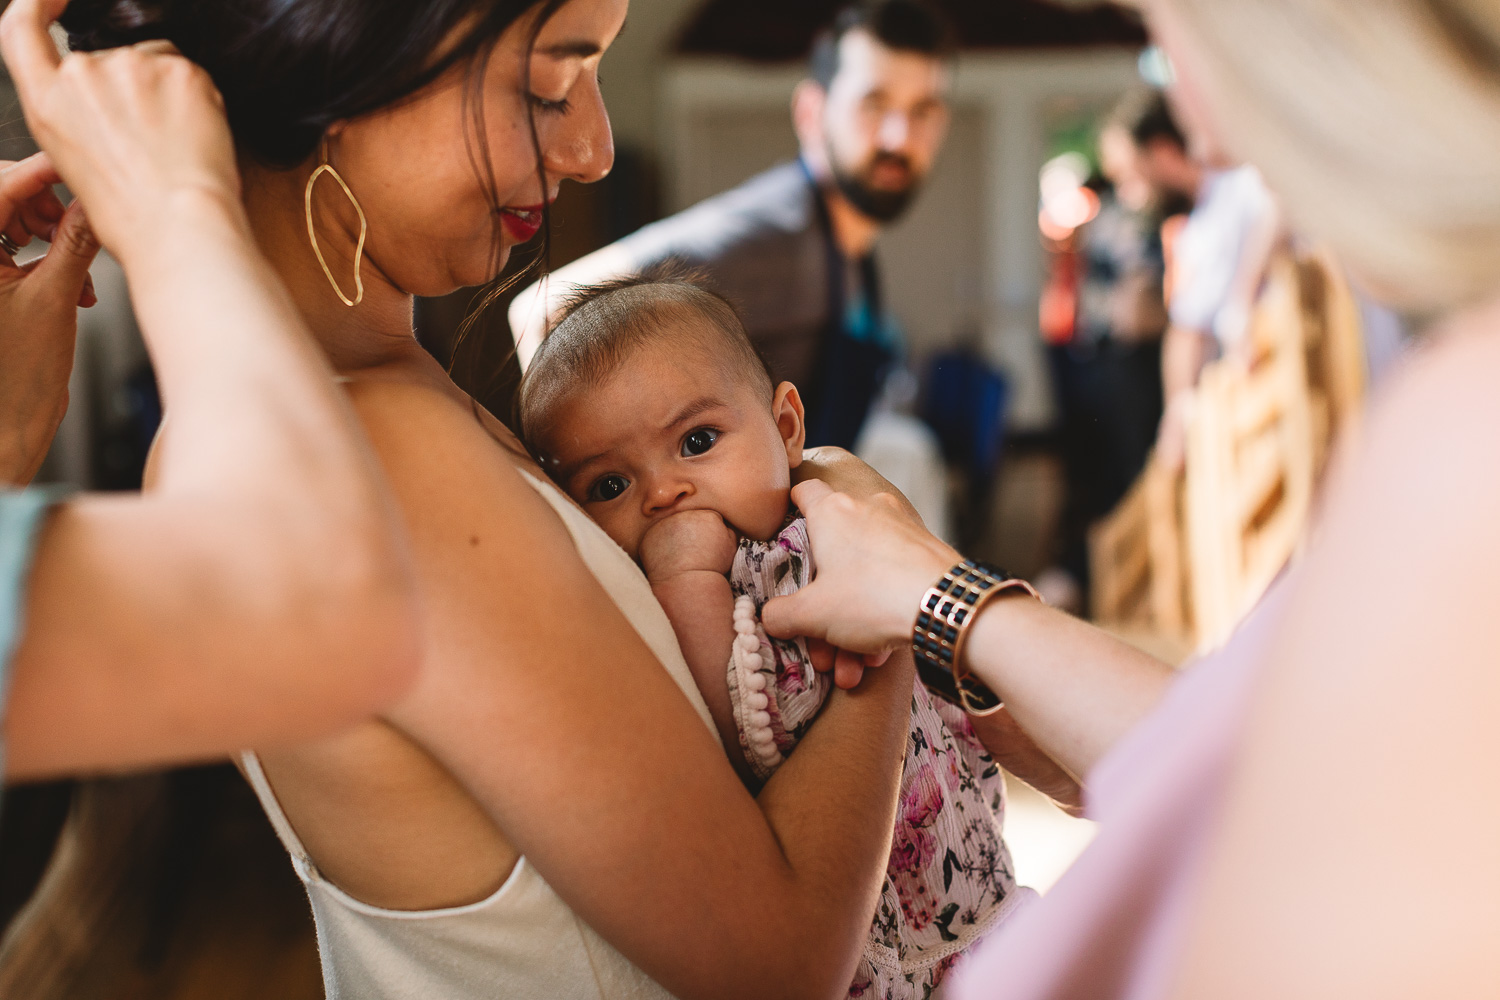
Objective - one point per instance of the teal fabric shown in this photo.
(21, 517)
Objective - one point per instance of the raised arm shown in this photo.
(1073, 688)
(260, 592)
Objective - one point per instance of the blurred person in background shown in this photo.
(1215, 260)
(1301, 814)
(1108, 372)
(794, 247)
(267, 558)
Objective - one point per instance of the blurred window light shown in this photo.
(1064, 173)
(1066, 202)
(1155, 67)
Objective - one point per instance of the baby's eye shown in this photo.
(608, 488)
(699, 441)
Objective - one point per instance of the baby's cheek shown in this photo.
(621, 529)
(759, 509)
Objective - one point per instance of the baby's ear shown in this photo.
(791, 421)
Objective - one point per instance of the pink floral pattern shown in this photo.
(949, 876)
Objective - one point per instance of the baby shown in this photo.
(649, 406)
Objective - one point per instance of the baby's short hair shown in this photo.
(602, 324)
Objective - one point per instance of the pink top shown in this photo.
(1112, 926)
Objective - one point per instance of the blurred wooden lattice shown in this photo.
(1185, 556)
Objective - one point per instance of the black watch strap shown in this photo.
(947, 611)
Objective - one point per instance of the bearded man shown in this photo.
(794, 248)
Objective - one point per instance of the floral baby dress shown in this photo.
(949, 880)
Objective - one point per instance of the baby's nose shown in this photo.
(667, 493)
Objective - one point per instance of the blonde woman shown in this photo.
(1308, 813)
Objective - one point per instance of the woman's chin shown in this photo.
(473, 271)
(478, 272)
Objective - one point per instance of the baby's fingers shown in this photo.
(821, 654)
(848, 669)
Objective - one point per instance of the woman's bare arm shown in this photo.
(261, 591)
(547, 706)
(1357, 854)
(1074, 689)
(1019, 754)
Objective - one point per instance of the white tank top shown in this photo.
(523, 941)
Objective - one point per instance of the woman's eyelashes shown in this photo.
(558, 107)
(698, 441)
(607, 488)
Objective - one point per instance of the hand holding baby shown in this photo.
(692, 541)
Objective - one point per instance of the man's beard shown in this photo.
(876, 203)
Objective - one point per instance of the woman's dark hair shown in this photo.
(289, 69)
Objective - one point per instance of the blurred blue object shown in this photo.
(965, 404)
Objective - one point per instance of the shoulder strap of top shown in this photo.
(263, 791)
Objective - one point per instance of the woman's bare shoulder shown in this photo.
(457, 472)
(425, 417)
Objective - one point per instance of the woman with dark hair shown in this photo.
(547, 813)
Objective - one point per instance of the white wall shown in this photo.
(631, 69)
(968, 256)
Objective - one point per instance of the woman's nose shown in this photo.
(584, 151)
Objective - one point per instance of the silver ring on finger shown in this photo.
(9, 245)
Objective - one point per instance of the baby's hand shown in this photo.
(682, 543)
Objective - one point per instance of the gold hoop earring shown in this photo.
(359, 251)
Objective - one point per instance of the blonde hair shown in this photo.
(1376, 121)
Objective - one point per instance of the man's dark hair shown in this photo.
(903, 25)
(602, 324)
(1147, 116)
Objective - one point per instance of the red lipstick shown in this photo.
(521, 224)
